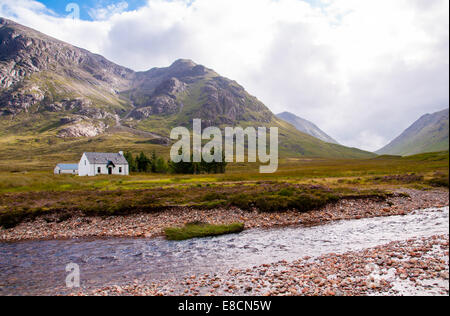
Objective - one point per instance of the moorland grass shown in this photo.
(265, 196)
(301, 185)
(389, 170)
(200, 230)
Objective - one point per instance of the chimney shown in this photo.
(121, 153)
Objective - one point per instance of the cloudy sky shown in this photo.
(363, 70)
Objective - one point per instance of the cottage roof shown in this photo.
(65, 166)
(106, 158)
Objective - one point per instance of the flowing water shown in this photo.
(38, 267)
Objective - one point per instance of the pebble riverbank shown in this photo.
(414, 267)
(153, 225)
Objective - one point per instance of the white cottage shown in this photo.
(92, 164)
(63, 168)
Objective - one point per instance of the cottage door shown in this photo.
(110, 170)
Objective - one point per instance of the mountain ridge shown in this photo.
(54, 89)
(430, 133)
(306, 127)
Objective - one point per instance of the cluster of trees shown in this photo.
(197, 167)
(142, 163)
(155, 164)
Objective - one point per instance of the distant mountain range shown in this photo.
(306, 127)
(428, 134)
(51, 89)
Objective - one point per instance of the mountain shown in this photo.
(428, 134)
(56, 93)
(306, 127)
(186, 90)
(39, 74)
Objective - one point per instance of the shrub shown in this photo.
(213, 196)
(439, 181)
(64, 217)
(213, 204)
(242, 201)
(286, 192)
(307, 202)
(272, 204)
(12, 219)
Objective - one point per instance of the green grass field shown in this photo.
(24, 176)
(301, 184)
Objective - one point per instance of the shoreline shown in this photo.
(152, 225)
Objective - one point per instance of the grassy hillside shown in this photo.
(30, 151)
(428, 134)
(20, 153)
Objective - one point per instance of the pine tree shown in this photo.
(160, 165)
(214, 166)
(153, 162)
(182, 167)
(131, 161)
(143, 163)
(222, 166)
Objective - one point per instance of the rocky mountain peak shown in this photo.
(38, 72)
(4, 21)
(159, 91)
(183, 63)
(306, 127)
(52, 88)
(188, 68)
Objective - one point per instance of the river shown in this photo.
(38, 267)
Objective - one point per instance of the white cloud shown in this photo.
(362, 70)
(104, 13)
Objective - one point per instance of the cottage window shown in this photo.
(99, 170)
(120, 169)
